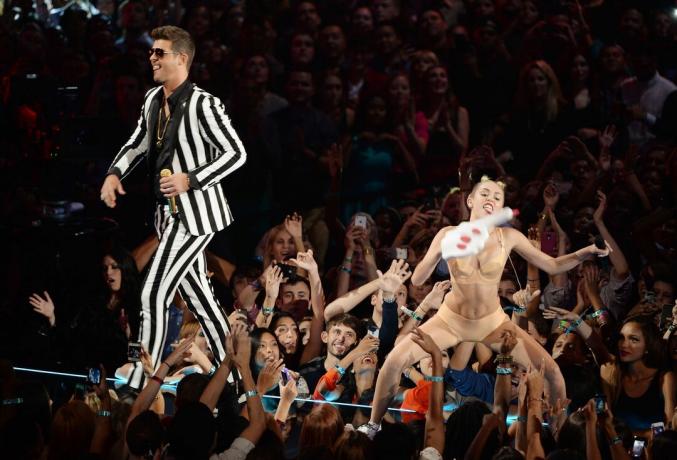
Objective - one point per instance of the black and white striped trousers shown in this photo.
(178, 263)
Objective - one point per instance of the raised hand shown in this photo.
(352, 236)
(436, 295)
(110, 186)
(367, 345)
(598, 215)
(560, 313)
(294, 225)
(274, 278)
(589, 412)
(238, 345)
(550, 195)
(417, 219)
(524, 296)
(305, 261)
(44, 306)
(289, 391)
(392, 279)
(561, 234)
(269, 375)
(508, 342)
(534, 237)
(181, 352)
(424, 341)
(101, 389)
(146, 362)
(535, 379)
(606, 138)
(591, 276)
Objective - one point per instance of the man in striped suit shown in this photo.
(185, 130)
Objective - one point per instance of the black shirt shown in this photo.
(160, 153)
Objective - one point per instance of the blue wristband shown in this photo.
(103, 413)
(251, 393)
(504, 370)
(340, 370)
(433, 378)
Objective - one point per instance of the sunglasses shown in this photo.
(159, 52)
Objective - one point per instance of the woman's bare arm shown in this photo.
(427, 265)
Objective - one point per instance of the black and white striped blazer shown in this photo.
(207, 147)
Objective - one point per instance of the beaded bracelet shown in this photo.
(411, 314)
(433, 378)
(251, 394)
(103, 413)
(340, 370)
(268, 310)
(504, 370)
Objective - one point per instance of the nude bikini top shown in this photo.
(465, 270)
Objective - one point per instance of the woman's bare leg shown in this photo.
(528, 351)
(406, 353)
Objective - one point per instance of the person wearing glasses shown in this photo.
(190, 145)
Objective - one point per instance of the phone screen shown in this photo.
(638, 447)
(361, 221)
(93, 376)
(134, 352)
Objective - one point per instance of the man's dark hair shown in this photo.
(190, 389)
(347, 320)
(181, 40)
(145, 434)
(191, 434)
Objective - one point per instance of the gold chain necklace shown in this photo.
(161, 136)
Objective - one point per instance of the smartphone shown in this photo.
(285, 375)
(600, 404)
(657, 428)
(93, 376)
(134, 352)
(288, 271)
(361, 221)
(638, 447)
(401, 253)
(549, 242)
(372, 331)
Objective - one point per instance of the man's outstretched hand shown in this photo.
(111, 185)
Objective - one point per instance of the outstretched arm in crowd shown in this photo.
(496, 420)
(347, 302)
(305, 261)
(103, 427)
(591, 338)
(434, 418)
(153, 383)
(273, 280)
(616, 256)
(431, 302)
(535, 379)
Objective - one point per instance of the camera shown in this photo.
(361, 221)
(288, 271)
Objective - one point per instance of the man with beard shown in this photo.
(341, 335)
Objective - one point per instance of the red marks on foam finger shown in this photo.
(466, 239)
(461, 246)
(476, 231)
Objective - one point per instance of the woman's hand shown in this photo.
(606, 139)
(305, 261)
(535, 382)
(146, 362)
(591, 276)
(294, 225)
(269, 376)
(598, 215)
(508, 342)
(44, 306)
(524, 296)
(101, 389)
(534, 237)
(561, 234)
(550, 196)
(352, 235)
(288, 391)
(238, 345)
(368, 344)
(560, 313)
(394, 277)
(589, 412)
(181, 352)
(274, 278)
(426, 342)
(436, 296)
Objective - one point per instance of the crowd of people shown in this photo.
(371, 129)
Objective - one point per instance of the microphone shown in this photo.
(599, 242)
(172, 200)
